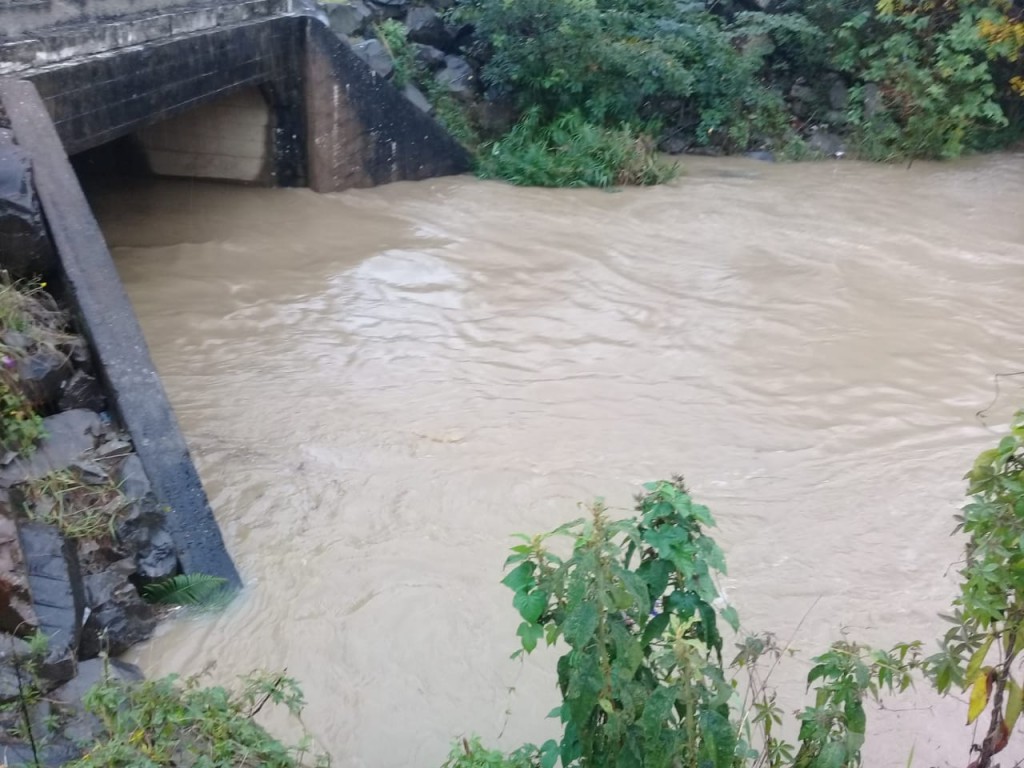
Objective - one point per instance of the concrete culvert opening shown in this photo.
(230, 139)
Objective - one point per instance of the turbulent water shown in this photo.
(380, 386)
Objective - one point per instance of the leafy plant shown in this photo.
(392, 35)
(21, 428)
(470, 753)
(194, 589)
(172, 722)
(987, 636)
(571, 152)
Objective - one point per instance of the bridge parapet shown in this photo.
(39, 34)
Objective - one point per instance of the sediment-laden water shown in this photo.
(380, 386)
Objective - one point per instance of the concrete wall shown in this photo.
(362, 131)
(101, 98)
(35, 33)
(226, 139)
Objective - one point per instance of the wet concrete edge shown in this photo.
(108, 321)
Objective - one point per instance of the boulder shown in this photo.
(416, 97)
(762, 155)
(79, 726)
(426, 27)
(839, 95)
(132, 479)
(827, 143)
(458, 77)
(428, 57)
(495, 115)
(387, 9)
(23, 240)
(82, 391)
(143, 533)
(673, 144)
(376, 55)
(16, 613)
(68, 437)
(118, 618)
(42, 375)
(58, 595)
(872, 100)
(348, 18)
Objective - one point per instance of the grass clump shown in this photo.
(572, 152)
(173, 722)
(80, 509)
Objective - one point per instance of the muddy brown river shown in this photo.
(379, 387)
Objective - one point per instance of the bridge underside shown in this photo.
(278, 101)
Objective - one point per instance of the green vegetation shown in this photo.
(636, 609)
(571, 152)
(20, 426)
(192, 589)
(80, 509)
(891, 80)
(172, 722)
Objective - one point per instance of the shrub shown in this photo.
(172, 722)
(624, 61)
(571, 152)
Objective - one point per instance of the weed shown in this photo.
(173, 722)
(80, 509)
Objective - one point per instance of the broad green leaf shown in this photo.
(731, 617)
(531, 605)
(978, 659)
(580, 625)
(520, 577)
(529, 634)
(549, 754)
(1014, 703)
(979, 695)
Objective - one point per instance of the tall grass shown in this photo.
(571, 152)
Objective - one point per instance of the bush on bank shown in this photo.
(892, 80)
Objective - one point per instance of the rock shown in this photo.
(495, 115)
(872, 100)
(428, 57)
(91, 473)
(58, 595)
(119, 618)
(376, 55)
(23, 240)
(132, 479)
(69, 436)
(839, 95)
(50, 754)
(427, 28)
(387, 9)
(42, 375)
(114, 448)
(16, 613)
(458, 77)
(441, 5)
(348, 18)
(827, 143)
(416, 97)
(144, 534)
(80, 726)
(15, 661)
(673, 145)
(82, 391)
(761, 154)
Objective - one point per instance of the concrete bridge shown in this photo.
(256, 91)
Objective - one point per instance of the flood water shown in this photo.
(379, 387)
